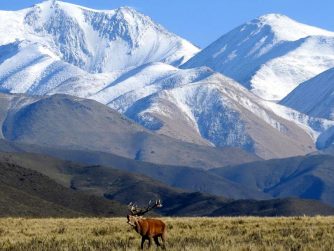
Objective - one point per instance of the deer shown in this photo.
(148, 228)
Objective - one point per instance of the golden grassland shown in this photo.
(241, 233)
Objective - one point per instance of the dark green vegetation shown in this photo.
(71, 189)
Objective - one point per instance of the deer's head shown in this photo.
(137, 212)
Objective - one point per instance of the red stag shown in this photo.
(148, 228)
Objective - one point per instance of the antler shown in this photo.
(135, 210)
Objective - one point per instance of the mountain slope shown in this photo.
(217, 109)
(309, 177)
(79, 124)
(93, 40)
(270, 55)
(33, 69)
(314, 97)
(180, 177)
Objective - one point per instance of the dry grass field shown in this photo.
(251, 233)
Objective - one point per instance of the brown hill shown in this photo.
(25, 192)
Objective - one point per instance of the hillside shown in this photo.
(27, 193)
(182, 177)
(82, 188)
(309, 177)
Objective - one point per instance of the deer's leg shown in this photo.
(156, 240)
(142, 242)
(163, 238)
(149, 241)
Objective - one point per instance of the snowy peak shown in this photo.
(96, 41)
(287, 29)
(270, 55)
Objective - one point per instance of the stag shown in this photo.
(148, 228)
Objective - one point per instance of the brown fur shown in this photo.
(149, 229)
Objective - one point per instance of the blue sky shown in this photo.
(203, 21)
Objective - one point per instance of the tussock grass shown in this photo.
(242, 233)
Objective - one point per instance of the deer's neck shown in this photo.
(138, 227)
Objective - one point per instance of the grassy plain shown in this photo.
(242, 233)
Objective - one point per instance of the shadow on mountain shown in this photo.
(37, 185)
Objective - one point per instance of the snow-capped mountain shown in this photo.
(270, 55)
(95, 41)
(203, 107)
(122, 59)
(194, 105)
(314, 97)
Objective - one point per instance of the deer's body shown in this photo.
(151, 229)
